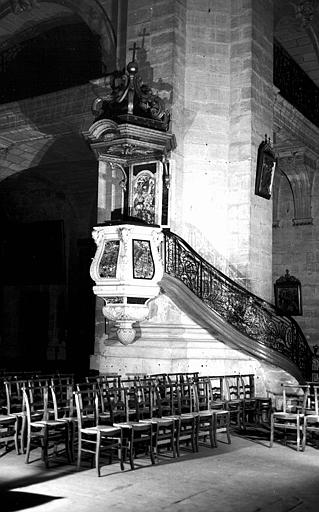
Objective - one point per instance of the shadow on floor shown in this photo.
(15, 500)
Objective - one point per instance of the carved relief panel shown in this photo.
(140, 190)
(146, 187)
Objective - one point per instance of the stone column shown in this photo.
(251, 117)
(213, 61)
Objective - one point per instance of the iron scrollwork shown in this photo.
(245, 311)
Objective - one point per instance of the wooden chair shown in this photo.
(42, 431)
(163, 427)
(213, 419)
(170, 406)
(9, 431)
(291, 420)
(145, 402)
(138, 435)
(15, 408)
(95, 439)
(65, 411)
(247, 394)
(234, 400)
(217, 390)
(263, 410)
(113, 406)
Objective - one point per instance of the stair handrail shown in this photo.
(251, 315)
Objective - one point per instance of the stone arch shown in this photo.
(297, 169)
(93, 13)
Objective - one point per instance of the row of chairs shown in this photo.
(179, 407)
(148, 415)
(158, 412)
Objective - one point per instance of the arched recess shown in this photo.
(93, 13)
(298, 172)
(296, 28)
(40, 290)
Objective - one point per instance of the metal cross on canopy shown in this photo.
(134, 48)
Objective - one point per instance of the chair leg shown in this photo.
(28, 449)
(131, 448)
(298, 433)
(45, 446)
(97, 452)
(152, 450)
(194, 439)
(71, 441)
(212, 432)
(16, 435)
(67, 427)
(120, 454)
(78, 464)
(173, 447)
(23, 433)
(304, 435)
(271, 442)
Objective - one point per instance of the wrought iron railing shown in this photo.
(295, 85)
(248, 313)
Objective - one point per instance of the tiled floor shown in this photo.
(246, 476)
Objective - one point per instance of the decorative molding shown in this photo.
(293, 130)
(20, 6)
(302, 222)
(305, 11)
(127, 99)
(299, 171)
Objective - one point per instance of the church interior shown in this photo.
(158, 165)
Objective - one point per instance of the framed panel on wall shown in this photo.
(266, 163)
(288, 295)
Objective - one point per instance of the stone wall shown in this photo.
(296, 209)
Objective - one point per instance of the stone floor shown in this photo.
(244, 476)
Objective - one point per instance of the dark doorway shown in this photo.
(34, 327)
(33, 291)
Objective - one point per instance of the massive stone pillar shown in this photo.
(213, 61)
(251, 116)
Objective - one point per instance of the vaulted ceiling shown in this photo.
(296, 27)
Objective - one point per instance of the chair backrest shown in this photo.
(247, 386)
(166, 399)
(88, 392)
(63, 403)
(312, 406)
(182, 377)
(116, 404)
(144, 399)
(38, 390)
(35, 410)
(160, 378)
(14, 396)
(295, 398)
(216, 387)
(232, 387)
(203, 393)
(86, 412)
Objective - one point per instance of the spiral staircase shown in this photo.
(232, 314)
